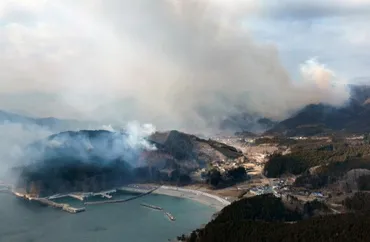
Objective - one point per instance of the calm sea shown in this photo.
(22, 221)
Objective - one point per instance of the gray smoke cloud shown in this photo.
(178, 64)
(24, 144)
(14, 139)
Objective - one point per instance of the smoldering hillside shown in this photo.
(81, 161)
(95, 160)
(184, 65)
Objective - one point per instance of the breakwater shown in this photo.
(151, 206)
(168, 214)
(121, 200)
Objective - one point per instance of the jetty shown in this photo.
(80, 197)
(105, 194)
(151, 206)
(56, 196)
(121, 200)
(77, 196)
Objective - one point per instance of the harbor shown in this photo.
(45, 201)
(106, 195)
(137, 190)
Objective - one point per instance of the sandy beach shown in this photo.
(205, 198)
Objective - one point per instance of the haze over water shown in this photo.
(22, 221)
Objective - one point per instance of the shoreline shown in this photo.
(210, 200)
(213, 201)
(202, 197)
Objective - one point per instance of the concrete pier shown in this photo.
(105, 194)
(80, 197)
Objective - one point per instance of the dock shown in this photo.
(151, 206)
(80, 197)
(77, 196)
(105, 194)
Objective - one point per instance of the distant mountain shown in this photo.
(50, 122)
(247, 122)
(317, 119)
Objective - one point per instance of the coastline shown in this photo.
(210, 200)
(216, 202)
(202, 197)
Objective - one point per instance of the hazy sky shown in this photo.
(177, 63)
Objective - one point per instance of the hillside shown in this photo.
(76, 161)
(92, 160)
(263, 218)
(317, 119)
(189, 151)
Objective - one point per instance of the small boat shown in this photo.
(172, 218)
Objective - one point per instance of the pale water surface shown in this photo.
(22, 221)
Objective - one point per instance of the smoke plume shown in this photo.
(14, 139)
(24, 144)
(178, 64)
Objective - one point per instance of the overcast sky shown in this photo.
(81, 58)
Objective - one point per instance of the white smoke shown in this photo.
(108, 128)
(324, 81)
(175, 63)
(137, 135)
(14, 139)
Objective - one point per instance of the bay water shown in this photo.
(23, 221)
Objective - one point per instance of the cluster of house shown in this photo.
(278, 188)
(261, 190)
